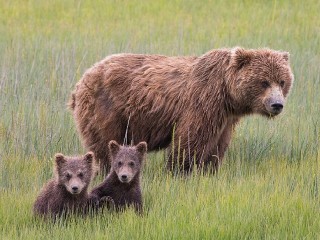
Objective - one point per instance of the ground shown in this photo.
(268, 186)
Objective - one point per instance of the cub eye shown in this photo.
(119, 164)
(80, 175)
(131, 164)
(282, 83)
(68, 175)
(265, 84)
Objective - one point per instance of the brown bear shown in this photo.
(122, 184)
(67, 192)
(191, 104)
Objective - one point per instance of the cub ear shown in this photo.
(142, 147)
(285, 56)
(114, 147)
(240, 57)
(89, 157)
(60, 159)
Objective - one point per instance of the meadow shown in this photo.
(268, 185)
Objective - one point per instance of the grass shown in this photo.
(268, 186)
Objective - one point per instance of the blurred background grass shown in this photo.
(268, 186)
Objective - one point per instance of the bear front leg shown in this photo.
(184, 154)
(94, 201)
(177, 160)
(107, 202)
(138, 208)
(214, 160)
(97, 193)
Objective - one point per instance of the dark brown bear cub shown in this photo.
(123, 182)
(67, 192)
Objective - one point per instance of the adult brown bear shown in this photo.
(189, 103)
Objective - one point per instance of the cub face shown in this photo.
(126, 161)
(74, 173)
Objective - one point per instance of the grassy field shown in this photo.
(268, 186)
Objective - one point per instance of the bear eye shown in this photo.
(131, 164)
(119, 164)
(80, 175)
(265, 84)
(282, 83)
(68, 175)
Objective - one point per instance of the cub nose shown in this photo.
(277, 107)
(75, 188)
(124, 177)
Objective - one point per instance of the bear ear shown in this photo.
(114, 147)
(240, 57)
(89, 157)
(60, 159)
(142, 147)
(285, 56)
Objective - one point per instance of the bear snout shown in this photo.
(277, 107)
(124, 177)
(75, 189)
(75, 186)
(274, 103)
(274, 106)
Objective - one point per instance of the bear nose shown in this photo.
(277, 107)
(124, 177)
(75, 188)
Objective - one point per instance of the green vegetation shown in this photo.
(268, 186)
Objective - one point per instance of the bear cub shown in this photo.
(67, 192)
(122, 184)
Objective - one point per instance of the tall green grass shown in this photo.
(268, 185)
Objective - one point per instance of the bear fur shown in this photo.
(189, 105)
(122, 184)
(67, 192)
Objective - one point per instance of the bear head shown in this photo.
(126, 161)
(74, 173)
(258, 81)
